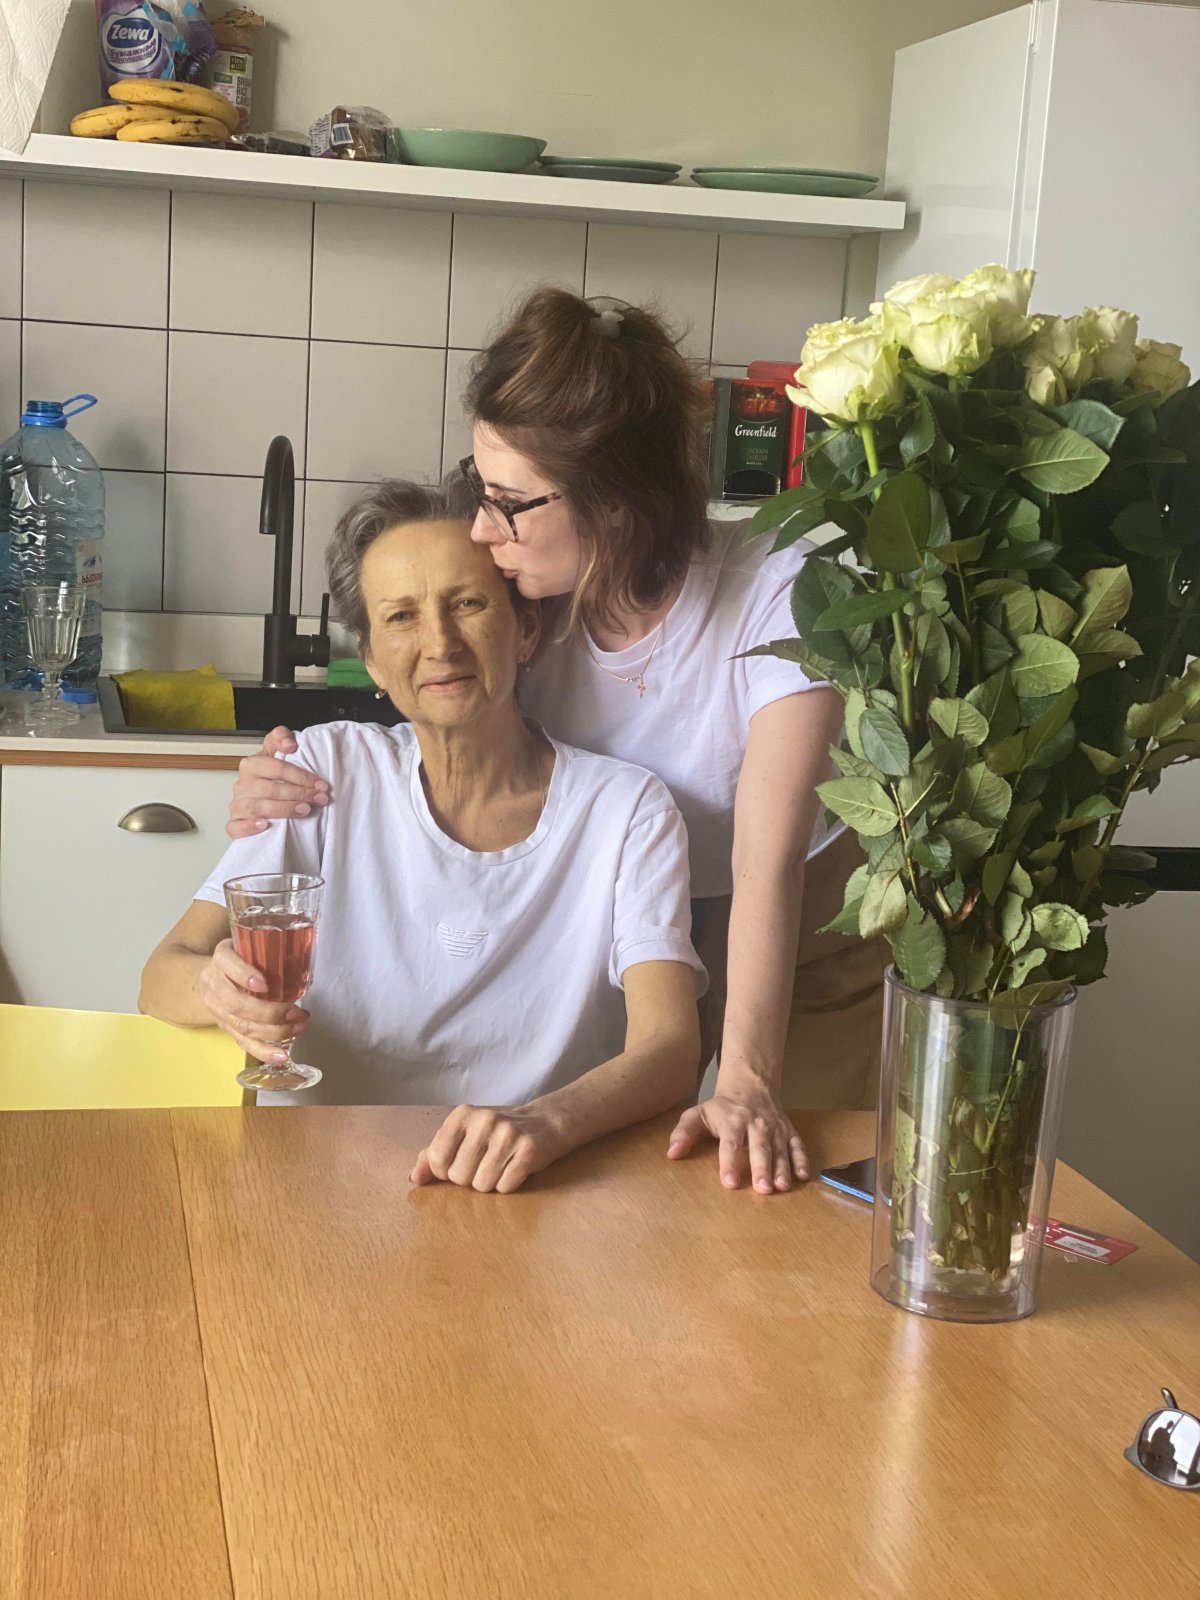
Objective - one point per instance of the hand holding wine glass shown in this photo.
(273, 920)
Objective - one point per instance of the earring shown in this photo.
(381, 694)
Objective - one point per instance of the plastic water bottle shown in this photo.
(51, 527)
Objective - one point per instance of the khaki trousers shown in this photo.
(831, 1058)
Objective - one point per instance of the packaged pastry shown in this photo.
(231, 70)
(351, 133)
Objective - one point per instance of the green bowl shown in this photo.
(466, 149)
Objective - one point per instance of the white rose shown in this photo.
(1045, 385)
(1111, 335)
(945, 332)
(853, 379)
(825, 336)
(1057, 343)
(918, 288)
(1158, 367)
(1006, 296)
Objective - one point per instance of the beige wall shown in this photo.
(799, 82)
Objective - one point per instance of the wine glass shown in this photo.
(273, 919)
(53, 614)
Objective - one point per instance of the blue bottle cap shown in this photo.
(54, 413)
(81, 696)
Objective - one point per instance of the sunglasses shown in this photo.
(1167, 1446)
(500, 513)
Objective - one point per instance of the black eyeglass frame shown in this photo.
(508, 509)
(1134, 1455)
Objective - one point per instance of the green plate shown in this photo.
(467, 149)
(805, 172)
(763, 182)
(611, 161)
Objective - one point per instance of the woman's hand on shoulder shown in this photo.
(747, 1116)
(491, 1148)
(231, 991)
(268, 787)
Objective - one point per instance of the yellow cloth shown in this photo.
(201, 698)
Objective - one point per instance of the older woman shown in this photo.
(505, 919)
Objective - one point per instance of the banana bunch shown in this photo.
(159, 111)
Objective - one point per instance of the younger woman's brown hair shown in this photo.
(598, 397)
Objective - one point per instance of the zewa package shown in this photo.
(136, 39)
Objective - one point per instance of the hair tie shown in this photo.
(607, 320)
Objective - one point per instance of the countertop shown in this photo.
(85, 743)
(243, 1357)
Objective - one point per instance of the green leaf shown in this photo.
(995, 875)
(919, 789)
(1019, 611)
(1008, 755)
(1059, 927)
(1093, 420)
(884, 742)
(1021, 966)
(856, 704)
(957, 551)
(1107, 593)
(852, 766)
(859, 609)
(1154, 718)
(994, 699)
(932, 853)
(1042, 666)
(982, 795)
(959, 719)
(864, 805)
(1061, 462)
(1058, 618)
(919, 948)
(1016, 923)
(1125, 858)
(917, 439)
(932, 649)
(898, 526)
(968, 840)
(1092, 809)
(1139, 527)
(1104, 763)
(790, 504)
(1086, 862)
(1039, 739)
(884, 906)
(846, 921)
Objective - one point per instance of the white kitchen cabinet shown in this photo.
(83, 901)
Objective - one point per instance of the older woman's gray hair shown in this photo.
(389, 504)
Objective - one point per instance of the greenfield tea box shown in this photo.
(748, 448)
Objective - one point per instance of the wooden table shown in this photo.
(242, 1358)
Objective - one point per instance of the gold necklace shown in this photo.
(638, 679)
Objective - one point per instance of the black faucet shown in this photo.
(283, 648)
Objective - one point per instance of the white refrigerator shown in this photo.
(1065, 135)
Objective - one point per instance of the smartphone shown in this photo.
(856, 1178)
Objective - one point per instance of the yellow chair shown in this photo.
(54, 1060)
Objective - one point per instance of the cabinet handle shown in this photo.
(157, 817)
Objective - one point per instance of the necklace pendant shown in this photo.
(641, 687)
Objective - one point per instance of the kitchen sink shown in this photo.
(258, 707)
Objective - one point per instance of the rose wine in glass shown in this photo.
(273, 920)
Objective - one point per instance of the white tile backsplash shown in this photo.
(228, 396)
(215, 559)
(133, 541)
(241, 264)
(348, 328)
(671, 269)
(10, 247)
(96, 253)
(125, 368)
(456, 426)
(381, 276)
(770, 291)
(11, 398)
(497, 260)
(323, 504)
(375, 411)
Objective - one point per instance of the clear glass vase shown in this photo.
(969, 1102)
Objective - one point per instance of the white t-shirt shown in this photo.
(444, 974)
(692, 724)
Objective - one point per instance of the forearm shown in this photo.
(170, 987)
(764, 932)
(649, 1077)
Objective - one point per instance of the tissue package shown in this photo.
(138, 40)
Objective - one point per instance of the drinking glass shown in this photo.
(273, 920)
(53, 613)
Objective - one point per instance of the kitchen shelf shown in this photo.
(61, 157)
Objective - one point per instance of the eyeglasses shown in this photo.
(500, 513)
(1167, 1446)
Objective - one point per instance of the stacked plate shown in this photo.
(611, 168)
(787, 180)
